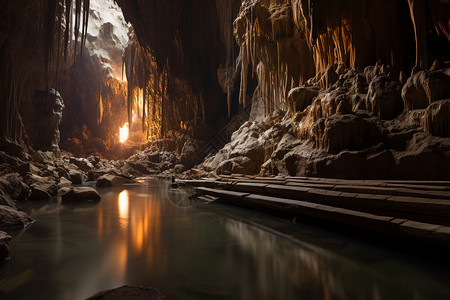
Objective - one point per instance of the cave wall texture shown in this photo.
(340, 69)
(192, 50)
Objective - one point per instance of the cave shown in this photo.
(229, 149)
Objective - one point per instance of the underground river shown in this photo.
(153, 235)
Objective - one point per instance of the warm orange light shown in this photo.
(123, 132)
(123, 206)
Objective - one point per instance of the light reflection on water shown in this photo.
(151, 235)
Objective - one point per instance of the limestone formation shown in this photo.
(12, 220)
(425, 87)
(43, 125)
(109, 180)
(437, 118)
(76, 195)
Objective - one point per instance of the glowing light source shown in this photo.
(123, 131)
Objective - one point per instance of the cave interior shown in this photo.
(112, 91)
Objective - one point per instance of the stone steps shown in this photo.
(403, 209)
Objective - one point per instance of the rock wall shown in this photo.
(194, 51)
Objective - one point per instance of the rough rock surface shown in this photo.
(12, 220)
(356, 128)
(78, 195)
(43, 125)
(109, 180)
(4, 245)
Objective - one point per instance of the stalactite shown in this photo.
(275, 48)
(225, 11)
(77, 21)
(86, 5)
(67, 31)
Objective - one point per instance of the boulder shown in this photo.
(129, 292)
(14, 187)
(78, 195)
(39, 194)
(4, 245)
(300, 97)
(46, 184)
(344, 132)
(75, 177)
(384, 98)
(6, 200)
(13, 220)
(26, 168)
(82, 163)
(109, 180)
(64, 182)
(437, 118)
(179, 168)
(425, 87)
(10, 160)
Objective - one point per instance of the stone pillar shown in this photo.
(44, 125)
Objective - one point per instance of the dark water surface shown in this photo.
(149, 234)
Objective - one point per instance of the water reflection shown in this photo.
(309, 272)
(123, 203)
(152, 235)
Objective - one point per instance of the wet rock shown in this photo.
(109, 180)
(13, 220)
(46, 184)
(301, 97)
(383, 97)
(6, 200)
(425, 87)
(139, 166)
(12, 185)
(76, 177)
(39, 195)
(4, 245)
(78, 195)
(129, 292)
(437, 118)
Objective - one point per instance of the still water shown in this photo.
(149, 234)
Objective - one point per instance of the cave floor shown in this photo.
(416, 210)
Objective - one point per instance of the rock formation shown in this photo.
(42, 124)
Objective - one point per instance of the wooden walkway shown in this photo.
(412, 209)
